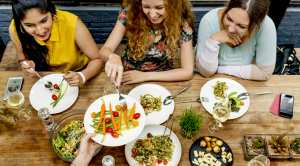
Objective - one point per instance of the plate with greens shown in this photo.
(155, 146)
(151, 98)
(54, 93)
(224, 90)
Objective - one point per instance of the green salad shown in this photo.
(153, 149)
(67, 140)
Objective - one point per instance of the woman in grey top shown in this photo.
(238, 40)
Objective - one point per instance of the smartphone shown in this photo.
(286, 105)
(13, 84)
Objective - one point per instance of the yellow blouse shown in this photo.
(63, 53)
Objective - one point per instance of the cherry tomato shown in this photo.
(115, 114)
(159, 161)
(54, 97)
(107, 120)
(109, 130)
(115, 134)
(165, 162)
(56, 86)
(136, 115)
(134, 152)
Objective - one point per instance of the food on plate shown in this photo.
(150, 103)
(57, 90)
(220, 89)
(255, 145)
(153, 149)
(210, 151)
(205, 159)
(114, 121)
(67, 140)
(235, 102)
(190, 123)
(278, 144)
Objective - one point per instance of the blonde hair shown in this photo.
(178, 12)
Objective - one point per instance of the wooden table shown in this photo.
(27, 144)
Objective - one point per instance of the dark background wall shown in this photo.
(100, 21)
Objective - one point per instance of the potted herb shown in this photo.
(190, 123)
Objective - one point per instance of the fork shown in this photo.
(244, 95)
(168, 99)
(122, 100)
(170, 118)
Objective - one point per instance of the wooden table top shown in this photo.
(27, 144)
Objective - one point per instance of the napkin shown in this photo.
(274, 109)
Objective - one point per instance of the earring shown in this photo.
(21, 29)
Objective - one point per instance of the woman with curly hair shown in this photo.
(155, 29)
(238, 40)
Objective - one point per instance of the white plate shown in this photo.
(127, 135)
(155, 130)
(155, 117)
(207, 91)
(40, 96)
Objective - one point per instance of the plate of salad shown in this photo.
(225, 91)
(53, 92)
(114, 123)
(151, 97)
(156, 146)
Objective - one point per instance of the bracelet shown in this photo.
(82, 77)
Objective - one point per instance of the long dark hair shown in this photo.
(32, 50)
(256, 9)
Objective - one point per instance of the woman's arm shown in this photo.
(113, 66)
(207, 49)
(87, 45)
(26, 65)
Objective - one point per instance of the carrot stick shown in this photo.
(132, 111)
(125, 117)
(102, 114)
(120, 120)
(112, 117)
(103, 130)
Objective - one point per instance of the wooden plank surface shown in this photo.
(27, 144)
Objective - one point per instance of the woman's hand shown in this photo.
(224, 37)
(114, 68)
(88, 148)
(134, 76)
(73, 78)
(29, 67)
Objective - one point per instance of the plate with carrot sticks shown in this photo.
(114, 124)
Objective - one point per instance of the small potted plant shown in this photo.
(190, 123)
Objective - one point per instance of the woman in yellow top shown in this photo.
(55, 40)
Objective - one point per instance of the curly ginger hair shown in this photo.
(178, 13)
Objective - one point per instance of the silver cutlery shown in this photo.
(168, 99)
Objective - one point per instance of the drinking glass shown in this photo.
(221, 112)
(16, 100)
(47, 119)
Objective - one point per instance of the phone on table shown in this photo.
(286, 105)
(13, 84)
